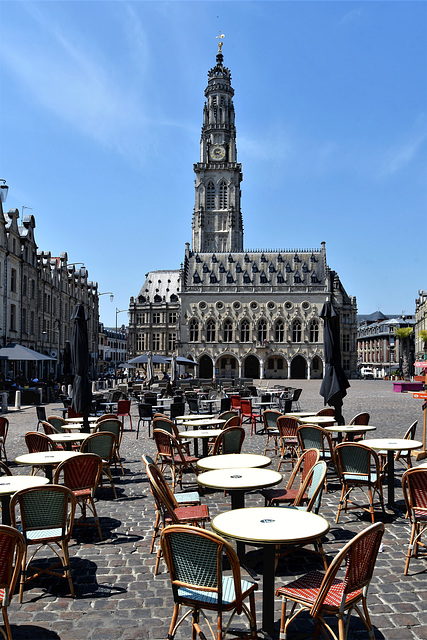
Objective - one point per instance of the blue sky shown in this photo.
(101, 111)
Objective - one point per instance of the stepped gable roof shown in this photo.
(159, 286)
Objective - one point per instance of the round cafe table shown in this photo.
(267, 527)
(237, 481)
(232, 461)
(195, 416)
(321, 421)
(10, 485)
(46, 459)
(350, 429)
(67, 439)
(79, 421)
(300, 414)
(204, 434)
(391, 445)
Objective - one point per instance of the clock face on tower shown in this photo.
(217, 152)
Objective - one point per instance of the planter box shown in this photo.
(402, 385)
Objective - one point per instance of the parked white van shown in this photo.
(367, 373)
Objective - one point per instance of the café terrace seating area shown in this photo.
(243, 508)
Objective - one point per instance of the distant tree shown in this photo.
(403, 336)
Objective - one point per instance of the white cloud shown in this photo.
(399, 156)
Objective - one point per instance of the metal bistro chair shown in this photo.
(57, 422)
(271, 429)
(169, 509)
(247, 415)
(177, 409)
(116, 427)
(358, 467)
(81, 474)
(324, 594)
(183, 499)
(123, 410)
(12, 546)
(414, 485)
(166, 424)
(315, 437)
(358, 419)
(145, 414)
(41, 415)
(194, 558)
(289, 494)
(46, 516)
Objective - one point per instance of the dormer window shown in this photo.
(254, 268)
(297, 279)
(247, 259)
(280, 278)
(230, 258)
(314, 279)
(196, 278)
(238, 267)
(263, 258)
(230, 278)
(212, 278)
(246, 278)
(214, 258)
(288, 268)
(296, 258)
(221, 268)
(304, 268)
(198, 259)
(271, 268)
(205, 268)
(263, 278)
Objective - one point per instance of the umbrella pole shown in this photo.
(85, 414)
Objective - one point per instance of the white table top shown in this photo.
(204, 423)
(45, 457)
(351, 428)
(68, 437)
(195, 416)
(300, 414)
(316, 420)
(250, 478)
(11, 484)
(234, 460)
(274, 525)
(392, 444)
(80, 420)
(201, 433)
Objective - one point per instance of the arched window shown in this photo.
(223, 195)
(210, 331)
(314, 331)
(262, 330)
(228, 331)
(297, 278)
(194, 330)
(210, 195)
(314, 279)
(244, 331)
(246, 278)
(230, 278)
(280, 278)
(196, 278)
(279, 331)
(296, 331)
(263, 278)
(212, 278)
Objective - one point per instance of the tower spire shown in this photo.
(217, 218)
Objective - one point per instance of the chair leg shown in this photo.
(66, 564)
(7, 633)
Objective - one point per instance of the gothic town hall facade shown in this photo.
(238, 313)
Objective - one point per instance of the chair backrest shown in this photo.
(165, 424)
(414, 485)
(356, 459)
(146, 459)
(80, 472)
(36, 442)
(145, 410)
(226, 415)
(360, 555)
(177, 409)
(57, 422)
(41, 413)
(327, 411)
(234, 421)
(49, 429)
(4, 469)
(245, 407)
(296, 395)
(287, 426)
(12, 545)
(193, 405)
(113, 424)
(106, 416)
(49, 508)
(235, 401)
(123, 407)
(103, 443)
(115, 396)
(150, 399)
(361, 419)
(163, 495)
(303, 465)
(4, 427)
(313, 487)
(269, 417)
(230, 440)
(194, 558)
(168, 445)
(410, 434)
(314, 437)
(225, 404)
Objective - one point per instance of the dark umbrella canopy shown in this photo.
(82, 392)
(334, 383)
(66, 362)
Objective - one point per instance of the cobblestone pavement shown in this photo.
(117, 596)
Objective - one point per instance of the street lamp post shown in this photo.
(117, 342)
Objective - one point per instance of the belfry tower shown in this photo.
(217, 218)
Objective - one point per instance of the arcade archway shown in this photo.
(299, 368)
(205, 367)
(251, 367)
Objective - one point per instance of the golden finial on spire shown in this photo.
(220, 43)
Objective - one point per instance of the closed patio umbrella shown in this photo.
(82, 392)
(150, 369)
(173, 370)
(334, 383)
